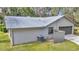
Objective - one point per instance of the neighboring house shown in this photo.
(26, 29)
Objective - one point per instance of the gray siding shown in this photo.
(27, 35)
(60, 23)
(58, 36)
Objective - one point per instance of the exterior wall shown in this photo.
(19, 36)
(58, 36)
(60, 23)
(27, 35)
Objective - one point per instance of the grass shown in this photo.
(36, 46)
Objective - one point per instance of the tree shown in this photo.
(42, 11)
(18, 11)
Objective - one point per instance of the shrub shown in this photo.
(2, 28)
(76, 31)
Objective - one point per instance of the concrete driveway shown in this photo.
(73, 38)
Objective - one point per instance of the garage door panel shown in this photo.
(67, 29)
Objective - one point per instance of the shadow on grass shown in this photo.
(29, 43)
(4, 41)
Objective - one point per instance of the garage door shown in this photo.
(67, 29)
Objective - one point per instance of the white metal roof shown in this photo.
(29, 22)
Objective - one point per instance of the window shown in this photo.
(50, 30)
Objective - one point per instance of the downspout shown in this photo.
(73, 25)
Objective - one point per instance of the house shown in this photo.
(26, 29)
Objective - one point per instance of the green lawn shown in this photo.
(36, 46)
